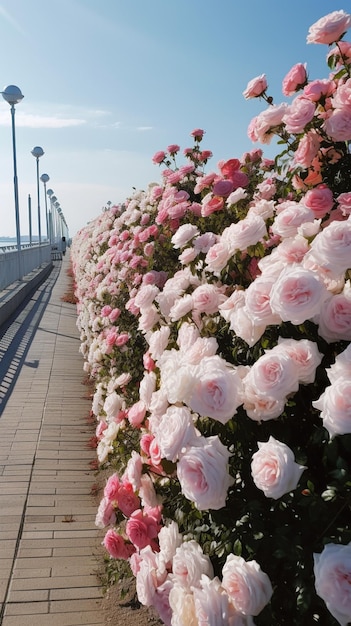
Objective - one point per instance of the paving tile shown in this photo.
(46, 507)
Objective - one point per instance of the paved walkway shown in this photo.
(48, 540)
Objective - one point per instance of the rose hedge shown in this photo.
(215, 318)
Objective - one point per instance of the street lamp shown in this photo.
(44, 179)
(13, 95)
(37, 152)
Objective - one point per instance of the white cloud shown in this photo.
(30, 120)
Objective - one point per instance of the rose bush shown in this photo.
(215, 319)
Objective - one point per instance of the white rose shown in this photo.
(169, 539)
(288, 220)
(335, 407)
(147, 388)
(184, 234)
(274, 374)
(112, 405)
(181, 601)
(248, 587)
(189, 563)
(342, 366)
(212, 604)
(332, 246)
(215, 389)
(332, 570)
(207, 298)
(203, 473)
(261, 407)
(297, 295)
(217, 257)
(305, 355)
(158, 341)
(145, 296)
(274, 470)
(175, 376)
(257, 301)
(181, 307)
(176, 431)
(245, 233)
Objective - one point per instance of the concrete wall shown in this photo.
(14, 294)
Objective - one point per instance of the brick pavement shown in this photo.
(48, 540)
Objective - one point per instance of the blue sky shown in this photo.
(107, 83)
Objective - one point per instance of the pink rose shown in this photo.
(295, 79)
(211, 204)
(173, 148)
(203, 473)
(198, 134)
(136, 413)
(222, 188)
(128, 501)
(307, 149)
(338, 125)
(229, 168)
(106, 514)
(332, 571)
(159, 157)
(114, 315)
(116, 545)
(122, 339)
(274, 470)
(344, 203)
(319, 89)
(330, 28)
(340, 54)
(106, 310)
(248, 587)
(299, 114)
(320, 200)
(142, 529)
(297, 295)
(263, 127)
(335, 407)
(256, 87)
(335, 319)
(111, 488)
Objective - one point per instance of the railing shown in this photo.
(15, 265)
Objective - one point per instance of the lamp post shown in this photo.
(13, 95)
(37, 152)
(44, 179)
(50, 193)
(54, 217)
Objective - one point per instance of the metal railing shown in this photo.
(14, 265)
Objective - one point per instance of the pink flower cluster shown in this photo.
(174, 287)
